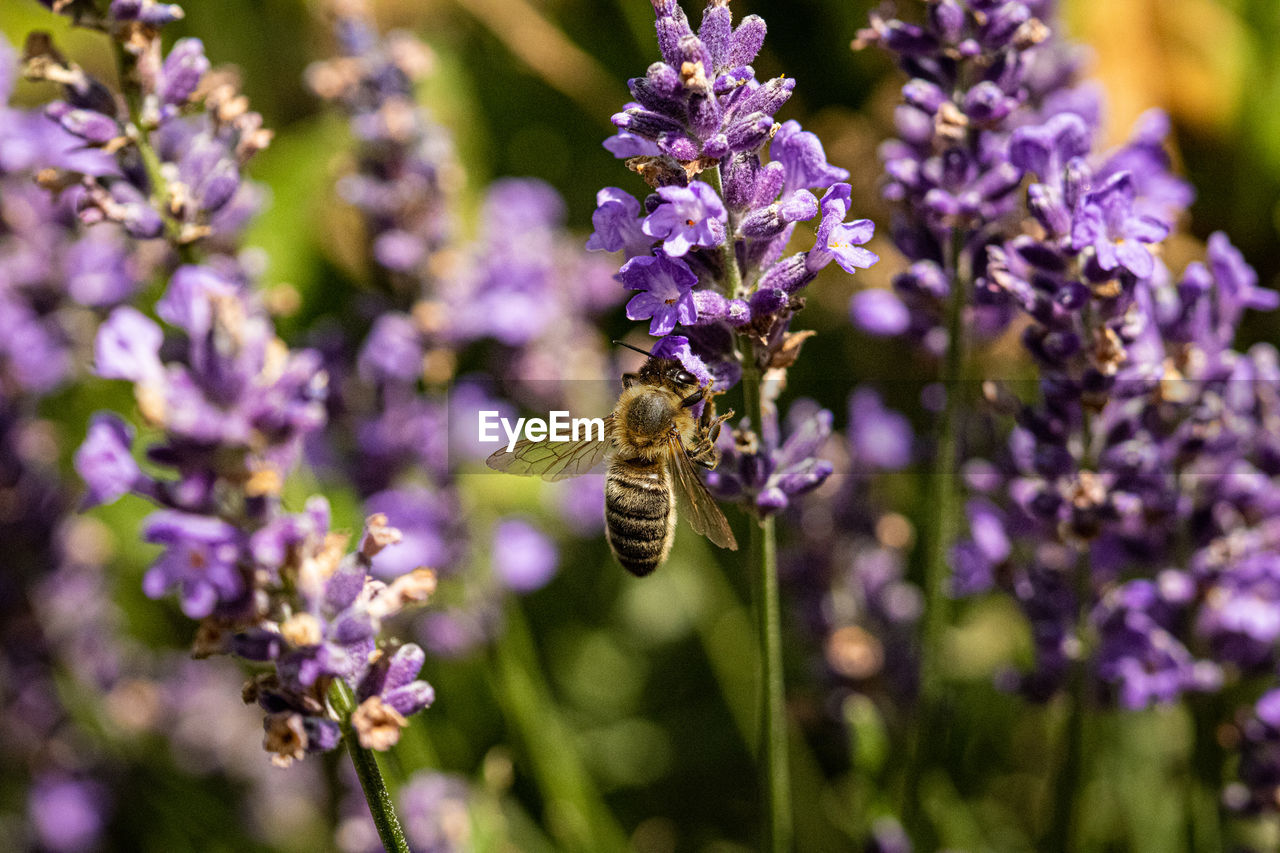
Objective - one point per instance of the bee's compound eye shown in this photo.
(684, 377)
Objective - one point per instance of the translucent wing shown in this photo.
(697, 504)
(554, 460)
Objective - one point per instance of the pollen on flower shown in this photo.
(284, 737)
(263, 482)
(378, 535)
(151, 404)
(301, 629)
(693, 75)
(1109, 289)
(377, 724)
(412, 588)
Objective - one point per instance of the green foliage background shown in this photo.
(649, 685)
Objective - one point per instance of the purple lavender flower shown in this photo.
(195, 158)
(1107, 224)
(68, 814)
(771, 476)
(408, 173)
(879, 312)
(980, 72)
(1130, 366)
(105, 462)
(434, 809)
(393, 679)
(524, 559)
(666, 291)
(232, 406)
(879, 438)
(128, 347)
(1260, 758)
(839, 240)
(618, 225)
(701, 111)
(430, 526)
(690, 216)
(200, 561)
(803, 160)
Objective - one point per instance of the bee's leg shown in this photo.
(713, 429)
(706, 455)
(693, 399)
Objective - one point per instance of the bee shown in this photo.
(652, 442)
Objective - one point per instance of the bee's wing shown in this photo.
(697, 504)
(554, 460)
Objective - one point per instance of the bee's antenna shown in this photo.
(637, 349)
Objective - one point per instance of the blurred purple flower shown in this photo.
(524, 559)
(617, 224)
(879, 438)
(69, 815)
(105, 460)
(200, 561)
(1117, 235)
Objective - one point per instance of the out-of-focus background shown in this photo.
(648, 683)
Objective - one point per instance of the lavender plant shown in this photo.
(1104, 471)
(54, 281)
(706, 255)
(519, 297)
(978, 71)
(1112, 485)
(231, 406)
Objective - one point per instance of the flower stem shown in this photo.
(1068, 779)
(763, 561)
(366, 764)
(763, 566)
(576, 814)
(1206, 830)
(733, 284)
(939, 535)
(127, 64)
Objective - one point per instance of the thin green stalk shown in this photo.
(942, 525)
(732, 283)
(127, 64)
(762, 557)
(577, 815)
(1205, 781)
(763, 566)
(1066, 785)
(366, 763)
(763, 548)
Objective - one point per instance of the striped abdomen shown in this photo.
(640, 521)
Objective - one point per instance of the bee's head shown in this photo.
(665, 371)
(670, 372)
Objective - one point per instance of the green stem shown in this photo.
(1206, 777)
(366, 763)
(942, 525)
(1068, 779)
(733, 284)
(763, 562)
(577, 815)
(127, 64)
(763, 566)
